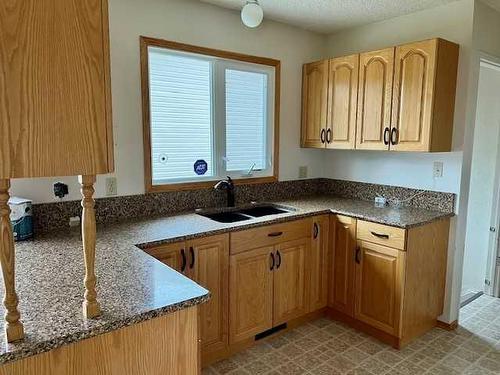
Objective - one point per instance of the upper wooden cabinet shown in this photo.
(405, 99)
(423, 101)
(375, 96)
(55, 88)
(342, 102)
(314, 104)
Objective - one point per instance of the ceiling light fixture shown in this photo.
(252, 14)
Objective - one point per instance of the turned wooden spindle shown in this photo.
(13, 326)
(91, 308)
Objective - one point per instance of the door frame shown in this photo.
(494, 240)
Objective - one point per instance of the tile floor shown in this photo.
(328, 347)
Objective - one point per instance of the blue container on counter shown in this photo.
(21, 218)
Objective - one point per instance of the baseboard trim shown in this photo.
(447, 326)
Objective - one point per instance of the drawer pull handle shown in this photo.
(384, 236)
(275, 234)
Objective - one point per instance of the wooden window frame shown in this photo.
(146, 42)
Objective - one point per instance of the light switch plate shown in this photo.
(438, 169)
(111, 186)
(303, 171)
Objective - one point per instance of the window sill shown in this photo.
(206, 184)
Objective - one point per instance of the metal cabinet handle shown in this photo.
(358, 253)
(386, 136)
(279, 260)
(316, 230)
(394, 136)
(329, 136)
(184, 261)
(385, 236)
(191, 251)
(322, 135)
(275, 234)
(272, 261)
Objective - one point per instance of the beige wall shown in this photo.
(200, 24)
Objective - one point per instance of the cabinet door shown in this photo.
(251, 293)
(318, 264)
(379, 286)
(314, 104)
(414, 76)
(374, 99)
(209, 267)
(342, 263)
(171, 255)
(55, 85)
(290, 299)
(342, 102)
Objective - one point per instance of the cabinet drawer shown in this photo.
(381, 234)
(269, 235)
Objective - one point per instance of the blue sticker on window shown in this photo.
(200, 167)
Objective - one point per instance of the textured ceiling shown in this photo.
(329, 16)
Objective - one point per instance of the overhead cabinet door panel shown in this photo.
(374, 99)
(414, 74)
(54, 88)
(342, 102)
(314, 104)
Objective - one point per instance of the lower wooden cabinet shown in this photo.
(170, 254)
(343, 244)
(318, 259)
(290, 273)
(379, 286)
(251, 292)
(269, 285)
(209, 267)
(206, 261)
(391, 281)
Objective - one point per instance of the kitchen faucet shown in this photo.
(227, 185)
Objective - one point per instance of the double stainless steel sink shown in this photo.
(247, 213)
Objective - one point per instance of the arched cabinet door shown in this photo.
(342, 102)
(314, 104)
(413, 91)
(374, 99)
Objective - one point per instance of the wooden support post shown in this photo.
(13, 326)
(91, 308)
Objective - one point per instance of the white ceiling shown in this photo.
(329, 16)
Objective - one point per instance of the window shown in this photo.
(207, 116)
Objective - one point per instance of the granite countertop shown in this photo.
(133, 286)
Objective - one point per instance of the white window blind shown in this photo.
(180, 115)
(209, 109)
(246, 120)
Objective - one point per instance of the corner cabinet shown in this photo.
(405, 99)
(205, 261)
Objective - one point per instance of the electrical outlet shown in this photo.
(438, 169)
(111, 186)
(303, 171)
